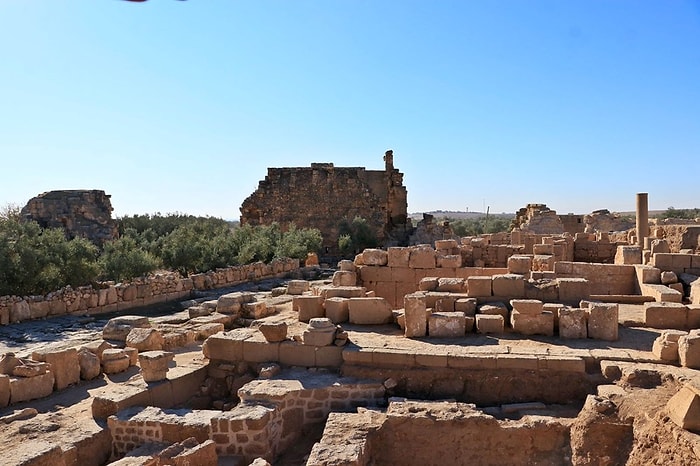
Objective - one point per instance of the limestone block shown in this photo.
(344, 278)
(532, 324)
(509, 285)
(519, 264)
(469, 323)
(4, 390)
(231, 303)
(466, 305)
(274, 331)
(628, 255)
(369, 311)
(428, 284)
(527, 306)
(489, 323)
(342, 292)
(665, 315)
(693, 316)
(479, 287)
(684, 408)
(20, 312)
(346, 266)
(603, 321)
(154, 365)
(668, 277)
(415, 315)
(661, 293)
(308, 307)
(64, 365)
(88, 364)
(543, 262)
(39, 309)
(375, 257)
(337, 309)
(494, 309)
(543, 249)
(98, 346)
(447, 261)
(118, 328)
(226, 346)
(659, 246)
(665, 347)
(451, 285)
(256, 310)
(115, 361)
(4, 315)
(298, 287)
(573, 290)
(145, 339)
(31, 388)
(573, 323)
(422, 258)
(447, 324)
(677, 287)
(398, 257)
(647, 274)
(320, 332)
(689, 351)
(446, 304)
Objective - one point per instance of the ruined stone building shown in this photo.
(81, 213)
(323, 195)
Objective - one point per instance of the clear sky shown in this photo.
(181, 106)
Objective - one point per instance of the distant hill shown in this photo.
(455, 214)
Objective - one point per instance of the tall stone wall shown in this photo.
(322, 196)
(80, 213)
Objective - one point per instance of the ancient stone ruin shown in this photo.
(80, 213)
(322, 196)
(513, 348)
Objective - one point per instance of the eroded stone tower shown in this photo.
(323, 195)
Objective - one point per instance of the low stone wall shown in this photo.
(604, 279)
(271, 417)
(419, 432)
(154, 289)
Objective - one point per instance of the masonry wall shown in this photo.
(604, 279)
(147, 291)
(323, 195)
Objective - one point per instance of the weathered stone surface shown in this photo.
(298, 287)
(344, 278)
(20, 312)
(452, 285)
(573, 290)
(274, 332)
(89, 364)
(573, 323)
(489, 323)
(283, 196)
(80, 213)
(337, 309)
(447, 324)
(665, 315)
(532, 324)
(369, 311)
(495, 309)
(232, 303)
(428, 284)
(422, 257)
(684, 408)
(415, 315)
(527, 306)
(628, 255)
(509, 285)
(689, 351)
(519, 264)
(603, 321)
(30, 388)
(375, 257)
(118, 328)
(668, 278)
(64, 365)
(320, 332)
(308, 307)
(478, 287)
(466, 305)
(154, 365)
(115, 361)
(145, 339)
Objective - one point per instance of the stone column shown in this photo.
(642, 218)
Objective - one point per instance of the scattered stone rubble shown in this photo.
(507, 340)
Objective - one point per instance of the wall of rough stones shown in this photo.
(323, 195)
(81, 213)
(154, 289)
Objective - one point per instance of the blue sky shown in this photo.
(181, 106)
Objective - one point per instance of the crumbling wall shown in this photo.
(604, 220)
(679, 236)
(322, 196)
(81, 213)
(144, 291)
(537, 218)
